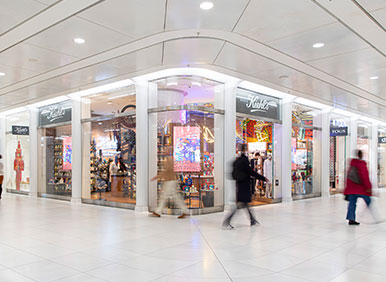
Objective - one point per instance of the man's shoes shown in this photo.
(183, 215)
(227, 227)
(353, 222)
(254, 222)
(155, 214)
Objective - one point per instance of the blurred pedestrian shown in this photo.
(242, 173)
(169, 187)
(358, 185)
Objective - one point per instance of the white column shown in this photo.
(76, 150)
(142, 146)
(34, 149)
(286, 149)
(353, 136)
(325, 153)
(373, 158)
(229, 143)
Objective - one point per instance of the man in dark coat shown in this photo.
(242, 173)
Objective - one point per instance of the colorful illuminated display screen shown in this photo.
(67, 153)
(186, 144)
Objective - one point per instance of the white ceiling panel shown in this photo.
(371, 5)
(354, 67)
(186, 14)
(193, 50)
(93, 73)
(243, 61)
(11, 99)
(34, 58)
(376, 86)
(336, 37)
(267, 20)
(140, 60)
(136, 18)
(13, 12)
(380, 16)
(60, 37)
(13, 75)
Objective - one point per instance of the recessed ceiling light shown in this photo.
(99, 123)
(171, 84)
(2, 74)
(318, 45)
(79, 40)
(196, 83)
(206, 5)
(374, 77)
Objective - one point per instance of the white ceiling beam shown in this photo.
(357, 19)
(43, 20)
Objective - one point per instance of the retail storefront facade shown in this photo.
(103, 145)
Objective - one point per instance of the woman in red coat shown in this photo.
(358, 185)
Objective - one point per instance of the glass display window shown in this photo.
(338, 154)
(18, 153)
(186, 145)
(363, 141)
(306, 150)
(381, 156)
(109, 145)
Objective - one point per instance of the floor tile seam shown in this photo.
(335, 275)
(369, 272)
(77, 270)
(22, 274)
(210, 247)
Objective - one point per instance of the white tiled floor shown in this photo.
(46, 240)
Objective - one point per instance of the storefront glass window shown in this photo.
(109, 158)
(17, 166)
(363, 143)
(191, 137)
(382, 158)
(306, 151)
(56, 150)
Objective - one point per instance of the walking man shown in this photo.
(242, 173)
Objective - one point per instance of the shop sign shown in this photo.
(382, 140)
(20, 130)
(338, 131)
(56, 113)
(257, 104)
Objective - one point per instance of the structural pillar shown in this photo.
(229, 143)
(3, 128)
(325, 155)
(142, 177)
(286, 149)
(34, 149)
(76, 150)
(353, 136)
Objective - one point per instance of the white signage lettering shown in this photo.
(258, 105)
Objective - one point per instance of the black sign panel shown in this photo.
(257, 104)
(338, 131)
(20, 130)
(56, 113)
(382, 140)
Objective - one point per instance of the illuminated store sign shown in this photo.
(382, 140)
(338, 131)
(257, 104)
(56, 113)
(20, 130)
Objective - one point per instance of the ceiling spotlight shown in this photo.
(318, 45)
(374, 77)
(206, 5)
(171, 84)
(2, 74)
(196, 83)
(79, 40)
(99, 123)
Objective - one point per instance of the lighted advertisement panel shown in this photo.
(67, 153)
(187, 151)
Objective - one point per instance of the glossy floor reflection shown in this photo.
(48, 240)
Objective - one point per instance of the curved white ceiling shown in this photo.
(266, 40)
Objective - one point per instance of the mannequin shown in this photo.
(268, 174)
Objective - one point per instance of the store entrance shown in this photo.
(338, 162)
(258, 135)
